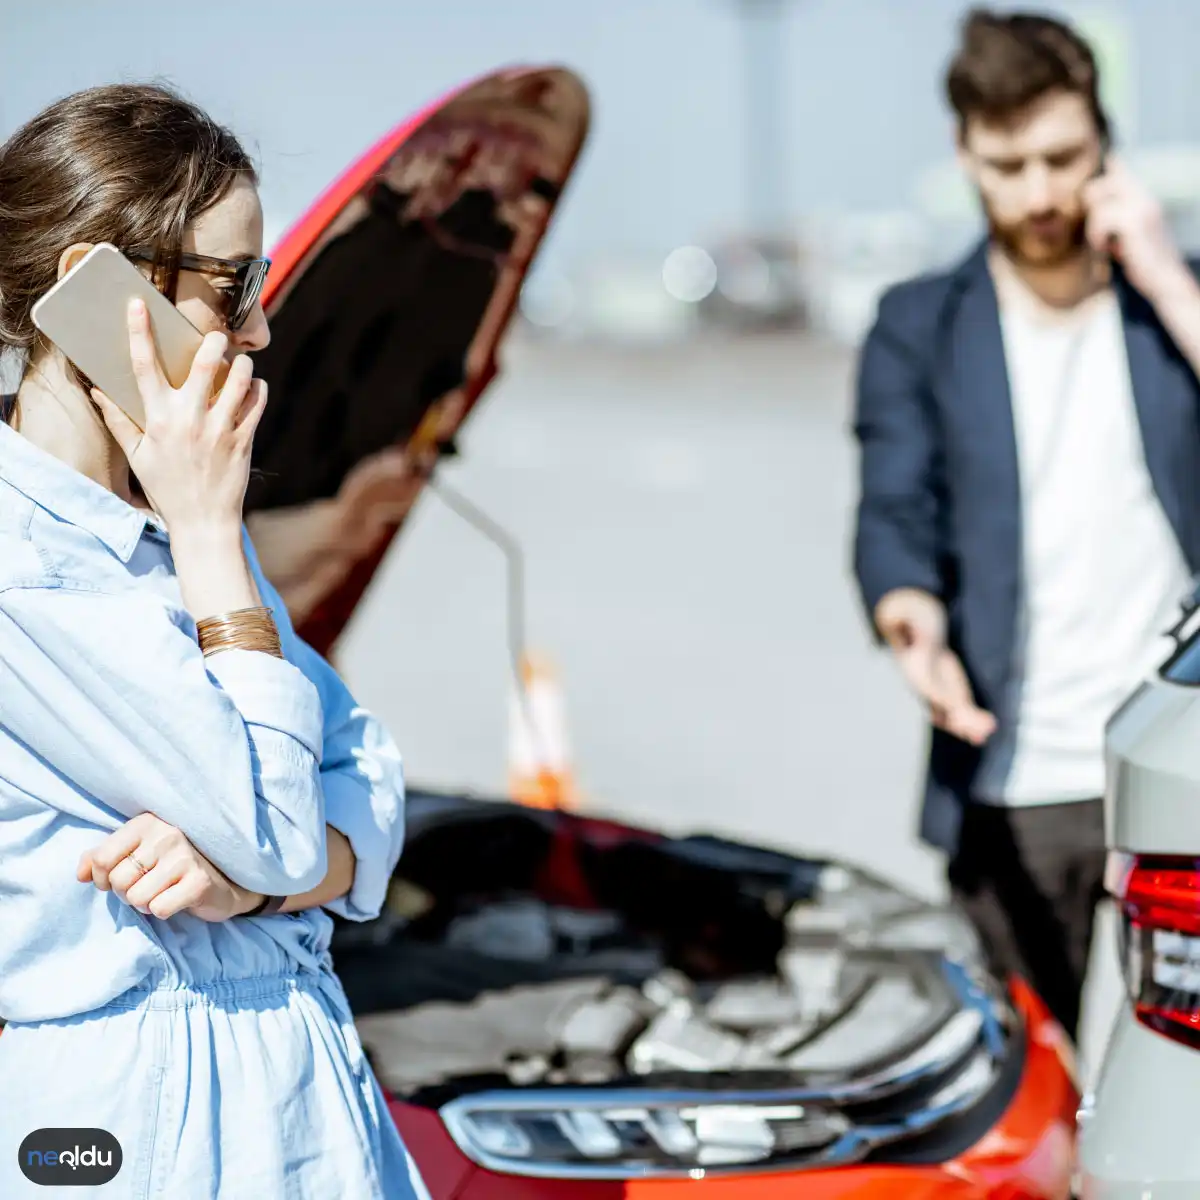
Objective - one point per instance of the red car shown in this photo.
(563, 1006)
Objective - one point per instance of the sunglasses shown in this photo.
(248, 274)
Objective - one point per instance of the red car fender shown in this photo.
(443, 1166)
(846, 1183)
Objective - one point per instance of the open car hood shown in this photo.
(388, 298)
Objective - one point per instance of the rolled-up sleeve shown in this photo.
(113, 692)
(363, 776)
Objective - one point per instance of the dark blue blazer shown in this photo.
(940, 506)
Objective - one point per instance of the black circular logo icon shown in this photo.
(70, 1157)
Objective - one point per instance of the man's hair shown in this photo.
(1006, 61)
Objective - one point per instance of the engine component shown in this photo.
(517, 929)
(677, 1040)
(814, 976)
(753, 1004)
(431, 1043)
(526, 930)
(668, 987)
(604, 1027)
(765, 1050)
(892, 1009)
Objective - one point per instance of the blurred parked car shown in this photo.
(759, 286)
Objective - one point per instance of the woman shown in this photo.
(184, 785)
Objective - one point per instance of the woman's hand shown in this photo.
(193, 462)
(152, 867)
(193, 458)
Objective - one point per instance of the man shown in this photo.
(1029, 520)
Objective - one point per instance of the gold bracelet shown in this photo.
(240, 629)
(235, 638)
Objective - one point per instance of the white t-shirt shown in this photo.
(1103, 571)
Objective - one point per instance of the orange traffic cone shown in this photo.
(539, 761)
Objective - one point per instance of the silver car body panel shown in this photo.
(1152, 804)
(1138, 1136)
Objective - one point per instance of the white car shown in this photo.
(1139, 1133)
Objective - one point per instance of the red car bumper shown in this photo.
(1027, 1155)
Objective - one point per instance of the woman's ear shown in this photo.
(72, 256)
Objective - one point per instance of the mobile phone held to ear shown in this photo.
(86, 315)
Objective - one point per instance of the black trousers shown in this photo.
(1030, 879)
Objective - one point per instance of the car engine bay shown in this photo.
(522, 948)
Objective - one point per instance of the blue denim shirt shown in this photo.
(108, 709)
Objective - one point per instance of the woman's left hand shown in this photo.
(152, 867)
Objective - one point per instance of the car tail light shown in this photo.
(1159, 896)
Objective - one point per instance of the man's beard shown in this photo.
(1051, 240)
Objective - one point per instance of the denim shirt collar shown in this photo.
(70, 496)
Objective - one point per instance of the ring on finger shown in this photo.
(133, 858)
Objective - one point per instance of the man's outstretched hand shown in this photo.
(913, 623)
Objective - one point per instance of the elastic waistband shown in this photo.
(174, 993)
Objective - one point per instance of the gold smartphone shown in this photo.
(85, 315)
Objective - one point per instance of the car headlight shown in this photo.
(623, 1136)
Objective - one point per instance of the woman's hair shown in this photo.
(129, 164)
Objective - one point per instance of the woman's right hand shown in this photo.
(151, 866)
(193, 459)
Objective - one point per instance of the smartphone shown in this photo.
(85, 315)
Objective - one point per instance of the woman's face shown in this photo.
(232, 228)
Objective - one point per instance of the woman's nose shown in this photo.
(254, 334)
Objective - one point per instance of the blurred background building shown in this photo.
(753, 160)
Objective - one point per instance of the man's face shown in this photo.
(1030, 173)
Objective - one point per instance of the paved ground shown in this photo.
(685, 517)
